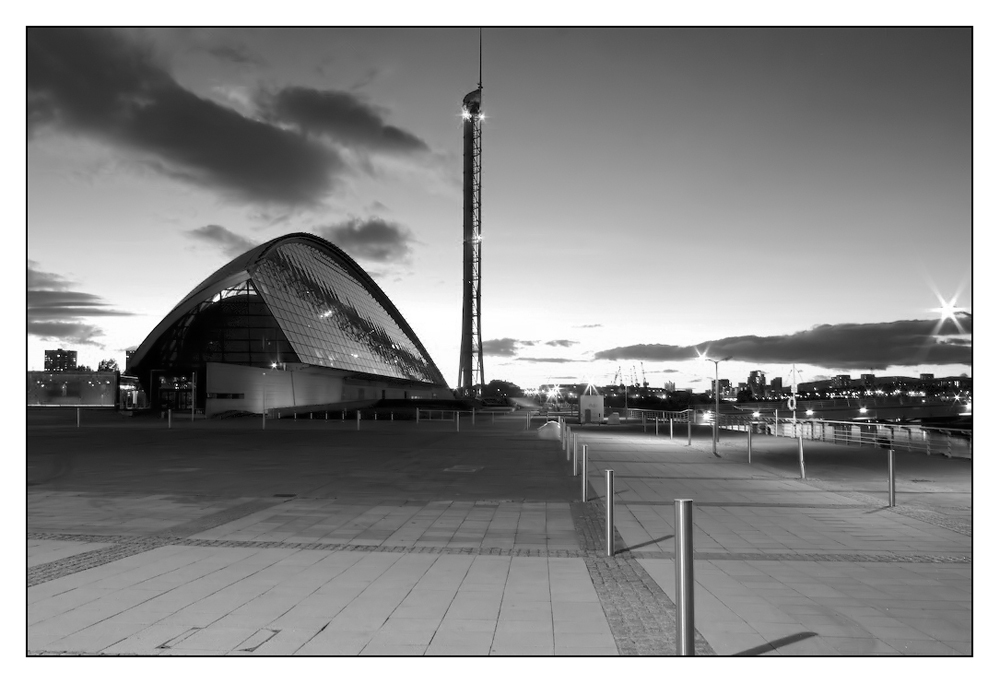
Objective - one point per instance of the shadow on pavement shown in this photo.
(776, 644)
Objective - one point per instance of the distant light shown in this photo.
(864, 410)
(274, 365)
(466, 114)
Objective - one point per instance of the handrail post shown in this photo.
(802, 458)
(609, 481)
(583, 475)
(750, 441)
(457, 429)
(690, 417)
(892, 479)
(359, 420)
(671, 428)
(684, 574)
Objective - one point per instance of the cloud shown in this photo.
(560, 343)
(591, 325)
(98, 83)
(238, 54)
(531, 359)
(232, 244)
(374, 239)
(341, 116)
(506, 346)
(844, 346)
(57, 312)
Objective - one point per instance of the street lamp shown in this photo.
(715, 423)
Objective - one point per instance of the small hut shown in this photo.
(591, 406)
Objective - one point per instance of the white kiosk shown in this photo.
(591, 406)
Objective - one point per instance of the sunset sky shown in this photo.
(776, 195)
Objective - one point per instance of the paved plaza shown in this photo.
(313, 538)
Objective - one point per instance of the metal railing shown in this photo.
(947, 441)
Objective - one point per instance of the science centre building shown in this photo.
(294, 322)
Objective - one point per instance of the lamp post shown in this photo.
(715, 423)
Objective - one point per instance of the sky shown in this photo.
(649, 195)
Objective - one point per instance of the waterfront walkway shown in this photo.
(310, 538)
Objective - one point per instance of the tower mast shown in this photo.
(470, 370)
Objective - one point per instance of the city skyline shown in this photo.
(650, 195)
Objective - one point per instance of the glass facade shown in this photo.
(331, 319)
(297, 299)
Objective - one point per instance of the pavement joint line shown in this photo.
(749, 504)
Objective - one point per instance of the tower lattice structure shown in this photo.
(470, 370)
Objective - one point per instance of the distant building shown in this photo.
(841, 381)
(867, 379)
(60, 360)
(669, 386)
(776, 386)
(757, 383)
(924, 377)
(128, 357)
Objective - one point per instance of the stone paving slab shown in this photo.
(417, 556)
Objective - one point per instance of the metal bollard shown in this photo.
(567, 443)
(310, 415)
(169, 416)
(78, 417)
(359, 421)
(583, 475)
(263, 420)
(802, 458)
(527, 420)
(418, 416)
(609, 482)
(456, 421)
(656, 427)
(684, 574)
(326, 415)
(671, 428)
(343, 416)
(689, 429)
(750, 442)
(473, 416)
(574, 448)
(391, 417)
(892, 479)
(376, 415)
(295, 416)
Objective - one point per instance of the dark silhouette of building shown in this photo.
(60, 360)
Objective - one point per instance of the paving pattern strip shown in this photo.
(642, 618)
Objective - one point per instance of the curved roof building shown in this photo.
(302, 310)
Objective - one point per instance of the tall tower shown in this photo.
(470, 366)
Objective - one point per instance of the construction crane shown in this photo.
(643, 367)
(635, 381)
(617, 374)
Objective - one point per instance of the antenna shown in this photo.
(480, 58)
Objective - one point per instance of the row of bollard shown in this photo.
(683, 536)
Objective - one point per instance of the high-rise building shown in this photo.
(757, 383)
(669, 386)
(841, 381)
(58, 360)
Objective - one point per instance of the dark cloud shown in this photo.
(506, 346)
(374, 239)
(560, 343)
(96, 82)
(232, 244)
(237, 54)
(340, 115)
(530, 359)
(845, 346)
(591, 325)
(57, 312)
